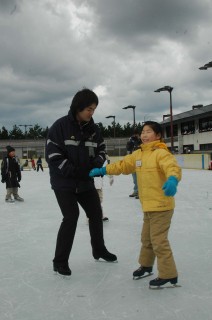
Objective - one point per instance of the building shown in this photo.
(25, 149)
(192, 133)
(192, 130)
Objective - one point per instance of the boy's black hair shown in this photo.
(10, 149)
(156, 127)
(83, 99)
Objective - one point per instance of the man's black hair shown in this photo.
(82, 100)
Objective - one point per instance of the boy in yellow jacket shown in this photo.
(158, 175)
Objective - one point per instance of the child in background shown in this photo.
(33, 163)
(11, 174)
(98, 182)
(158, 175)
(39, 164)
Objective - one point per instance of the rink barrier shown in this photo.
(187, 161)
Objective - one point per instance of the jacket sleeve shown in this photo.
(3, 171)
(125, 166)
(168, 164)
(18, 171)
(56, 153)
(100, 154)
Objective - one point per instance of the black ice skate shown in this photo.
(18, 198)
(105, 255)
(159, 283)
(10, 200)
(140, 272)
(62, 269)
(105, 219)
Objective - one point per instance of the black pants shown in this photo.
(68, 202)
(39, 166)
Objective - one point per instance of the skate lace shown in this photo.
(140, 268)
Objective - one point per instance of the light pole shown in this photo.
(169, 89)
(114, 124)
(131, 107)
(206, 66)
(25, 127)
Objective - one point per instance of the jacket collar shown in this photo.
(82, 124)
(154, 145)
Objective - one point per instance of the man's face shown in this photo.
(86, 114)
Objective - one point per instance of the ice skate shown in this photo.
(18, 198)
(10, 200)
(134, 194)
(140, 272)
(105, 255)
(105, 219)
(63, 270)
(159, 283)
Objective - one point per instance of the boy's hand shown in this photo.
(170, 186)
(97, 172)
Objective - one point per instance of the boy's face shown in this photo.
(12, 154)
(86, 114)
(148, 135)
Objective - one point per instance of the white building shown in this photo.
(192, 130)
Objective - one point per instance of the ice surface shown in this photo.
(29, 290)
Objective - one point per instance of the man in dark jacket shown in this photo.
(11, 174)
(75, 146)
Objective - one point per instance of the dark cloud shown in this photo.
(124, 49)
(159, 18)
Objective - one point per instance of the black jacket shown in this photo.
(10, 172)
(133, 144)
(72, 150)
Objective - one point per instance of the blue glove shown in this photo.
(97, 172)
(170, 186)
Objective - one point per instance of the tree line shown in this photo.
(36, 132)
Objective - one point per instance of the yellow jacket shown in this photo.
(153, 164)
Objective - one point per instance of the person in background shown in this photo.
(158, 174)
(74, 146)
(32, 163)
(39, 164)
(132, 145)
(11, 175)
(25, 165)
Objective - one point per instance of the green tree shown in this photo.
(45, 132)
(128, 130)
(4, 134)
(35, 132)
(16, 133)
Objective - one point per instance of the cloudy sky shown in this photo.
(122, 49)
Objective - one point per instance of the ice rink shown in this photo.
(29, 289)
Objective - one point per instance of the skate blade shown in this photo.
(166, 287)
(62, 276)
(102, 260)
(144, 276)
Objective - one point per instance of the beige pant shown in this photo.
(155, 243)
(11, 191)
